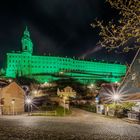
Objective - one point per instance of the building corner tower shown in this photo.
(27, 45)
(19, 63)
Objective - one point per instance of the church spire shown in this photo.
(27, 45)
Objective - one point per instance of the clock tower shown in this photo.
(27, 45)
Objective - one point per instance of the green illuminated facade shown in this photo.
(49, 68)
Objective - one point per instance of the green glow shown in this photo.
(48, 68)
(27, 45)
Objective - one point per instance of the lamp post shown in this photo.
(13, 106)
(116, 98)
(64, 105)
(29, 102)
(0, 108)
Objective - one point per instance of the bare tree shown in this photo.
(126, 31)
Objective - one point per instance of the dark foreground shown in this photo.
(80, 126)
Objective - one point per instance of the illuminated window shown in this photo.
(133, 76)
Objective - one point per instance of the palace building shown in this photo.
(49, 68)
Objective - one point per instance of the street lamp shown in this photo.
(13, 105)
(64, 105)
(28, 102)
(116, 97)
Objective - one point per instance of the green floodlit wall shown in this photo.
(49, 68)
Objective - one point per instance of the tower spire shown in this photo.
(26, 32)
(27, 45)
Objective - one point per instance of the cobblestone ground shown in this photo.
(81, 125)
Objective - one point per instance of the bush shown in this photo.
(59, 110)
(128, 105)
(121, 109)
(88, 107)
(125, 105)
(115, 106)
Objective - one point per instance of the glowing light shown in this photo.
(61, 72)
(10, 80)
(28, 101)
(116, 97)
(13, 101)
(91, 86)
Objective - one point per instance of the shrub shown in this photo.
(121, 109)
(128, 105)
(59, 110)
(88, 107)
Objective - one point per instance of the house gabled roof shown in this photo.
(12, 87)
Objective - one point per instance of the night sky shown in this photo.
(57, 27)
